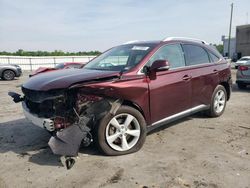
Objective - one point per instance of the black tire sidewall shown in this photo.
(100, 132)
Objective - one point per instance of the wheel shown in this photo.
(241, 86)
(218, 102)
(122, 133)
(8, 75)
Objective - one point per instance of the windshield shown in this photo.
(120, 58)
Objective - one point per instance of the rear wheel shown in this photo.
(241, 86)
(218, 102)
(8, 75)
(122, 133)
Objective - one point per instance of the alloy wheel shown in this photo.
(8, 75)
(122, 132)
(219, 101)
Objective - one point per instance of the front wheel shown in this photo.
(8, 75)
(122, 133)
(218, 102)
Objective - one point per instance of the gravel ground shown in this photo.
(194, 152)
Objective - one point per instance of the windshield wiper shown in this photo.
(124, 69)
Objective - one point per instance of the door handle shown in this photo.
(186, 77)
(215, 71)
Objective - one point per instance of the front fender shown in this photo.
(134, 90)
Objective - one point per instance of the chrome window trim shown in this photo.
(139, 72)
(190, 66)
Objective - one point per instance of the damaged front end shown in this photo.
(70, 115)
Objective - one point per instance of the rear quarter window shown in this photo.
(195, 55)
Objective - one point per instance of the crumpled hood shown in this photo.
(41, 69)
(65, 78)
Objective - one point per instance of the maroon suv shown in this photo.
(125, 92)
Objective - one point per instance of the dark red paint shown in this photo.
(48, 69)
(169, 92)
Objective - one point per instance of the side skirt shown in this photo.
(177, 116)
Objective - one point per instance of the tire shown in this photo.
(218, 102)
(8, 75)
(110, 126)
(242, 86)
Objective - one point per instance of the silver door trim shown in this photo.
(181, 114)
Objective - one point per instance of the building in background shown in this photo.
(243, 40)
(232, 46)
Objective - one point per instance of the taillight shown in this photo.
(243, 68)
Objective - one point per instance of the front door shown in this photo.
(170, 91)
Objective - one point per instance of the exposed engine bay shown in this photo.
(69, 115)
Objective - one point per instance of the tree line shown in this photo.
(21, 52)
(219, 47)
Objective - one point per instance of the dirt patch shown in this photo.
(2, 183)
(115, 178)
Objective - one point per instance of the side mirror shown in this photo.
(159, 65)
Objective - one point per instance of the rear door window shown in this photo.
(195, 55)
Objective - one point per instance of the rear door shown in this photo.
(204, 73)
(170, 91)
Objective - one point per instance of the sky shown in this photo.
(85, 25)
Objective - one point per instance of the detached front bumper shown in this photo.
(45, 123)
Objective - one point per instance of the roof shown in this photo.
(168, 39)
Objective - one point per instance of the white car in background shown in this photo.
(242, 61)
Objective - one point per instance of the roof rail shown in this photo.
(131, 42)
(185, 38)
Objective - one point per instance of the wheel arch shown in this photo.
(228, 89)
(133, 105)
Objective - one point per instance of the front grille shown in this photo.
(46, 104)
(31, 94)
(40, 96)
(44, 109)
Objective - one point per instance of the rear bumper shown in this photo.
(243, 81)
(45, 123)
